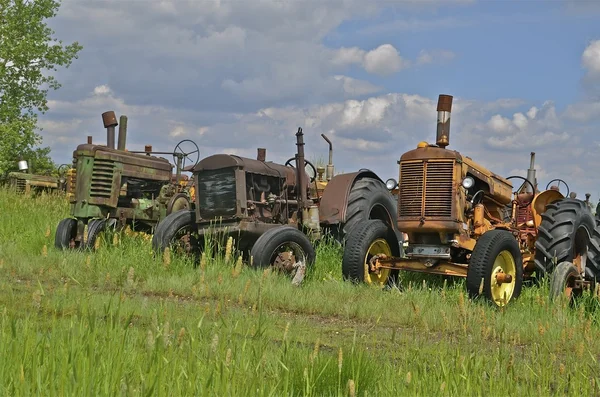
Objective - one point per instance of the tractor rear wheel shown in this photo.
(178, 232)
(562, 282)
(565, 234)
(366, 241)
(496, 268)
(368, 199)
(66, 231)
(285, 249)
(95, 227)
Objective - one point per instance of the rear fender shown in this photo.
(334, 201)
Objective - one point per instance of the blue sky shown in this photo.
(234, 75)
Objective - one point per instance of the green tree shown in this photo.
(28, 55)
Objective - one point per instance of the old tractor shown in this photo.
(463, 220)
(28, 183)
(116, 187)
(270, 209)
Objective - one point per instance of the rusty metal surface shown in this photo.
(261, 154)
(333, 205)
(122, 133)
(442, 268)
(220, 161)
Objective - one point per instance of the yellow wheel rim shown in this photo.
(379, 277)
(504, 265)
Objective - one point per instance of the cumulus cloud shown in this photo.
(383, 60)
(591, 57)
(435, 56)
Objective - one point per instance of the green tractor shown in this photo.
(116, 188)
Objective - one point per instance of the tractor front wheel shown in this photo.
(66, 231)
(563, 282)
(366, 242)
(285, 249)
(178, 232)
(95, 227)
(496, 268)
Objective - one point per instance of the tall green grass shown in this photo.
(122, 321)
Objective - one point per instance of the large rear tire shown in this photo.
(496, 268)
(368, 199)
(367, 239)
(565, 234)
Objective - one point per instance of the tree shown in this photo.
(28, 55)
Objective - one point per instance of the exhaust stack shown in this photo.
(110, 122)
(444, 108)
(122, 133)
(301, 170)
(329, 172)
(531, 174)
(261, 154)
(89, 139)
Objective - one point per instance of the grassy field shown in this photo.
(122, 322)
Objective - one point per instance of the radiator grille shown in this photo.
(216, 192)
(21, 184)
(102, 178)
(426, 189)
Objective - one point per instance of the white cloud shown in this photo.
(437, 56)
(591, 57)
(383, 60)
(101, 90)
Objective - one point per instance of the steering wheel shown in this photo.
(532, 189)
(306, 162)
(559, 181)
(186, 155)
(62, 170)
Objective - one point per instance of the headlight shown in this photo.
(468, 182)
(391, 184)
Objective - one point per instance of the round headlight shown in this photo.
(391, 184)
(468, 182)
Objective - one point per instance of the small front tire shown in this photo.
(496, 268)
(284, 248)
(365, 241)
(562, 282)
(66, 231)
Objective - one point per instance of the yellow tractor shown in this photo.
(463, 220)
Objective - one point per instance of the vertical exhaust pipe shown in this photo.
(110, 122)
(444, 108)
(329, 172)
(261, 154)
(122, 133)
(300, 170)
(89, 139)
(531, 174)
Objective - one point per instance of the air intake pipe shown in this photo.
(444, 108)
(122, 133)
(110, 122)
(531, 174)
(329, 172)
